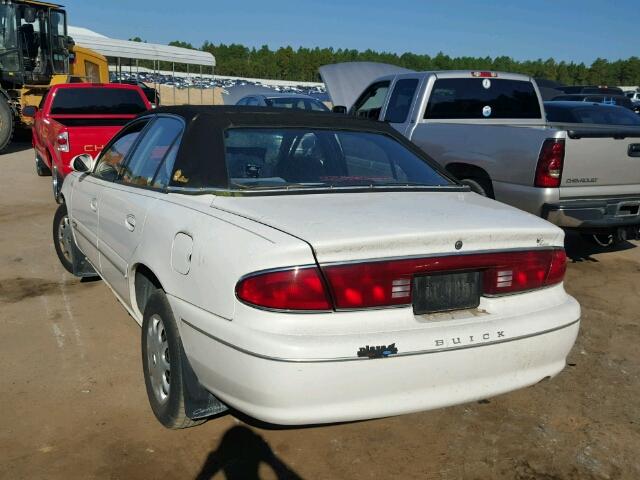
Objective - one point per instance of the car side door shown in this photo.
(398, 110)
(84, 204)
(126, 202)
(369, 104)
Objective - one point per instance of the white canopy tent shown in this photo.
(129, 50)
(113, 47)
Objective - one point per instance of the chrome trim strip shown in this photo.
(354, 359)
(442, 254)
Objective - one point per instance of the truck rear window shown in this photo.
(470, 98)
(97, 101)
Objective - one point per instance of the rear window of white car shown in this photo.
(97, 101)
(319, 158)
(482, 98)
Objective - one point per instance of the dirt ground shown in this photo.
(74, 405)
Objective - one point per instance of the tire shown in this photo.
(162, 363)
(477, 185)
(7, 124)
(41, 168)
(60, 240)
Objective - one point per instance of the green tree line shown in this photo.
(286, 63)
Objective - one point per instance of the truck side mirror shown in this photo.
(29, 111)
(82, 163)
(339, 109)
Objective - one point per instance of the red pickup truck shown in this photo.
(78, 118)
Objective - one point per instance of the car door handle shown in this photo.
(130, 222)
(93, 204)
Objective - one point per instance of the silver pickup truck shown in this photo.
(489, 130)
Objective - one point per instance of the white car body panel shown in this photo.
(294, 368)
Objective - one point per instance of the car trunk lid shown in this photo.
(343, 227)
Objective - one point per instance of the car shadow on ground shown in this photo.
(240, 455)
(580, 250)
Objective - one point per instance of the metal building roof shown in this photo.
(112, 47)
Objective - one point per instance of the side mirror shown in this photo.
(339, 109)
(82, 163)
(29, 111)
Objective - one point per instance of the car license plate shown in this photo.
(443, 292)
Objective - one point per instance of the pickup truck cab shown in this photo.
(489, 130)
(79, 118)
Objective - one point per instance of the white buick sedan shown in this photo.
(310, 268)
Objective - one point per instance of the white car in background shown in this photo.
(310, 268)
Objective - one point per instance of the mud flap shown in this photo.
(198, 402)
(81, 267)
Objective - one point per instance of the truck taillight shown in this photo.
(390, 283)
(62, 142)
(550, 162)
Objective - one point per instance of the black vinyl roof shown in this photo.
(202, 151)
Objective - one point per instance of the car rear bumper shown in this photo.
(287, 389)
(596, 213)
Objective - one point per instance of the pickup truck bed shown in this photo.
(489, 130)
(80, 118)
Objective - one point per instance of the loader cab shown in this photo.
(33, 43)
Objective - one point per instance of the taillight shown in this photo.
(62, 141)
(484, 74)
(550, 162)
(290, 289)
(390, 283)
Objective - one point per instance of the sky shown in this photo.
(570, 30)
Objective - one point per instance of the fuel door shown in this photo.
(181, 251)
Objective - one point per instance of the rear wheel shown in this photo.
(62, 238)
(477, 185)
(7, 124)
(41, 168)
(162, 363)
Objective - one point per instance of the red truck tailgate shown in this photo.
(88, 134)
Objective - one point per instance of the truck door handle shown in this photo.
(93, 204)
(130, 222)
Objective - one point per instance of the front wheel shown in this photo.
(7, 124)
(62, 238)
(162, 363)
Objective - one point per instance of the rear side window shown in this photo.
(476, 98)
(401, 100)
(97, 101)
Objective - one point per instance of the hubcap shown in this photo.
(63, 231)
(158, 359)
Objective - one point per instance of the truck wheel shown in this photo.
(7, 124)
(62, 237)
(41, 168)
(477, 185)
(162, 363)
